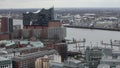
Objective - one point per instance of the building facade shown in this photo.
(44, 62)
(38, 18)
(110, 59)
(62, 50)
(93, 56)
(28, 60)
(5, 63)
(6, 28)
(6, 24)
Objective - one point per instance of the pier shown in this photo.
(83, 27)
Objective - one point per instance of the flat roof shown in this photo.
(56, 64)
(103, 66)
(20, 49)
(116, 52)
(35, 54)
(110, 60)
(55, 21)
(74, 61)
(3, 59)
(11, 42)
(117, 66)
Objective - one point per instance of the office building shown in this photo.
(6, 28)
(6, 24)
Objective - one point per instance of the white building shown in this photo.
(5, 63)
(110, 59)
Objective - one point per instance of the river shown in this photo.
(92, 35)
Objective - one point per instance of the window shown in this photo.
(114, 56)
(113, 66)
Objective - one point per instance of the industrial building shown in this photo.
(5, 63)
(93, 56)
(67, 64)
(110, 59)
(28, 60)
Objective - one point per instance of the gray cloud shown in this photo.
(58, 3)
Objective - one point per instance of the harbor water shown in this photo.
(93, 37)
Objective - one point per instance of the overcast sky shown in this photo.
(58, 3)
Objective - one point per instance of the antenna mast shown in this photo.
(53, 9)
(9, 13)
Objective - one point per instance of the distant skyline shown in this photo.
(59, 3)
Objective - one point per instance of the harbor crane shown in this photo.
(112, 43)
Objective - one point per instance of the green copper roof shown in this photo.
(11, 42)
(5, 61)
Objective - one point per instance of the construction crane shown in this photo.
(74, 41)
(78, 44)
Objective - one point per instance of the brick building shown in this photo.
(28, 60)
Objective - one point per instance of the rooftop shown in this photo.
(11, 42)
(74, 61)
(3, 59)
(109, 59)
(36, 54)
(103, 66)
(56, 64)
(116, 52)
